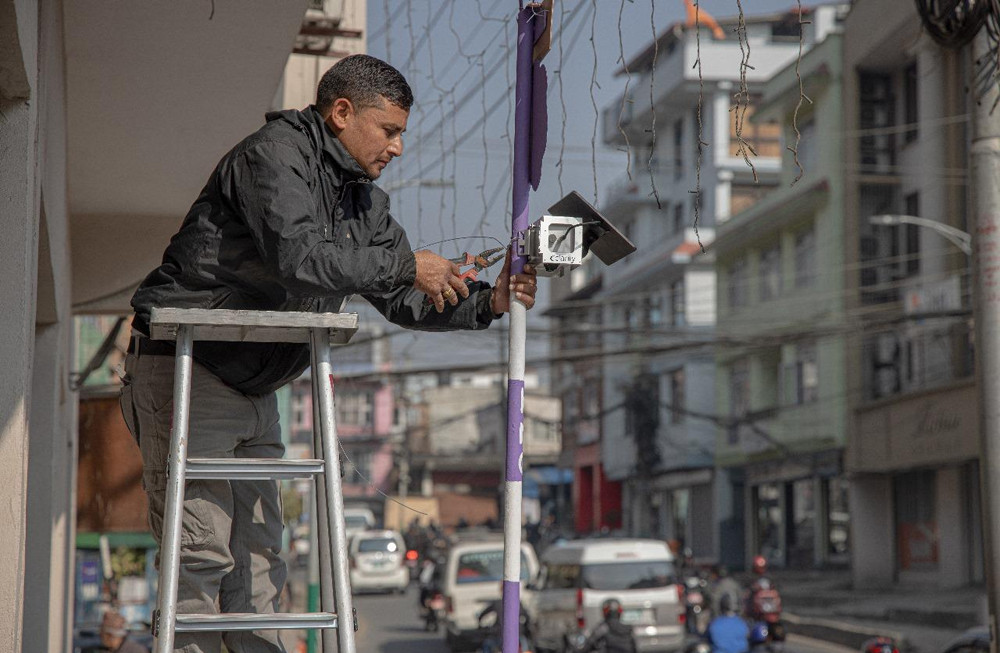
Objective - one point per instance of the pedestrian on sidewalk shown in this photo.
(114, 635)
(289, 220)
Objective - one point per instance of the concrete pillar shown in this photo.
(952, 528)
(873, 533)
(19, 191)
(51, 523)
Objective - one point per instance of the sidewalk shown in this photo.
(823, 605)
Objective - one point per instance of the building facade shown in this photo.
(659, 305)
(780, 380)
(914, 433)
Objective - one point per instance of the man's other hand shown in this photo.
(438, 278)
(524, 286)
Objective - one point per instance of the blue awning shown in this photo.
(537, 476)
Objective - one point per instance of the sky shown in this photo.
(453, 181)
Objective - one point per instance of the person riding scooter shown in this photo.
(763, 602)
(611, 635)
(728, 633)
(430, 600)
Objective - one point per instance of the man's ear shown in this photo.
(341, 113)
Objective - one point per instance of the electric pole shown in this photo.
(985, 178)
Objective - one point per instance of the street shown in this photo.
(388, 623)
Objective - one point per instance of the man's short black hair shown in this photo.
(362, 79)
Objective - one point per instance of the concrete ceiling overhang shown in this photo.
(156, 93)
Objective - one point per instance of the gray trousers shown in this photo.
(231, 530)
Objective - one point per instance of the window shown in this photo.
(678, 149)
(805, 258)
(739, 397)
(764, 138)
(611, 576)
(654, 310)
(484, 567)
(737, 284)
(678, 309)
(806, 374)
(807, 147)
(838, 518)
(911, 111)
(770, 273)
(361, 462)
(916, 520)
(677, 398)
(377, 545)
(678, 217)
(355, 408)
(877, 111)
(561, 577)
(743, 196)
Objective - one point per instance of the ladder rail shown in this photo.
(321, 517)
(323, 376)
(173, 513)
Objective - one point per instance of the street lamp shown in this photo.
(423, 183)
(958, 237)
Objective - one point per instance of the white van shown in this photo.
(579, 575)
(357, 520)
(472, 579)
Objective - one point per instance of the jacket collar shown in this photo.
(325, 140)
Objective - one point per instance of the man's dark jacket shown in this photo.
(288, 221)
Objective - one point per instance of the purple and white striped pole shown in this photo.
(515, 383)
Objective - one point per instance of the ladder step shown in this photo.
(188, 623)
(252, 468)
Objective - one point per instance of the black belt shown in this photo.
(142, 346)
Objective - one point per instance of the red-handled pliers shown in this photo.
(479, 262)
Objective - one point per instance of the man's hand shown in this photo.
(523, 285)
(438, 278)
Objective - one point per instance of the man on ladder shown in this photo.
(289, 220)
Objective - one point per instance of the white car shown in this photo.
(579, 575)
(377, 563)
(471, 581)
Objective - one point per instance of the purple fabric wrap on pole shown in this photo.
(522, 131)
(515, 427)
(539, 120)
(539, 111)
(511, 614)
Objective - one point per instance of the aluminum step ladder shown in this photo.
(322, 331)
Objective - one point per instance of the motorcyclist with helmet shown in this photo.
(611, 635)
(727, 632)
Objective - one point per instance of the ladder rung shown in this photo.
(251, 621)
(252, 468)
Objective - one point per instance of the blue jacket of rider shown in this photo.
(728, 634)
